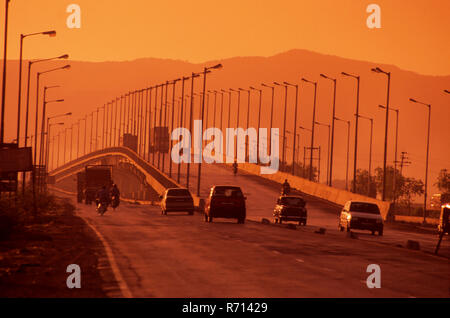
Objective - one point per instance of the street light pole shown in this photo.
(193, 76)
(237, 118)
(388, 74)
(370, 154)
(48, 135)
(247, 149)
(259, 120)
(348, 148)
(19, 99)
(295, 125)
(205, 71)
(271, 116)
(395, 155)
(328, 146)
(37, 107)
(356, 129)
(428, 151)
(183, 79)
(330, 181)
(312, 129)
(43, 138)
(283, 160)
(304, 151)
(5, 43)
(44, 108)
(171, 125)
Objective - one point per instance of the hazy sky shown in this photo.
(414, 34)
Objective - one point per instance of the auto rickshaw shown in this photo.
(444, 224)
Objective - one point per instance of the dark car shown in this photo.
(290, 208)
(177, 200)
(225, 202)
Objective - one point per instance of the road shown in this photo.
(261, 198)
(182, 256)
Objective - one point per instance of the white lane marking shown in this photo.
(275, 252)
(112, 261)
(299, 260)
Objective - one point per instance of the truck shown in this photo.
(160, 139)
(96, 176)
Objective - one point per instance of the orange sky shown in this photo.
(414, 34)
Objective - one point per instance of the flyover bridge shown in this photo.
(129, 171)
(141, 180)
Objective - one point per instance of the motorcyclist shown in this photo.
(115, 195)
(103, 197)
(286, 188)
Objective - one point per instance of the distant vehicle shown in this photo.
(160, 140)
(102, 207)
(225, 202)
(130, 141)
(97, 176)
(444, 219)
(361, 216)
(290, 208)
(81, 185)
(177, 200)
(440, 199)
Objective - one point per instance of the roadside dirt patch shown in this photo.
(34, 258)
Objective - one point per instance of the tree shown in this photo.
(443, 181)
(411, 188)
(362, 183)
(399, 182)
(303, 171)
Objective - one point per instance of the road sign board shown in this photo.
(13, 160)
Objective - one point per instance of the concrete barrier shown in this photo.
(416, 219)
(319, 190)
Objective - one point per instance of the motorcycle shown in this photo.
(102, 207)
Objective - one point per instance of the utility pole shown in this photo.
(404, 161)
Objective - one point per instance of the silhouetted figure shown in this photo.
(235, 167)
(286, 188)
(115, 196)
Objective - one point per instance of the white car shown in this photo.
(361, 215)
(177, 200)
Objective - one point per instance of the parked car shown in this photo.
(177, 200)
(360, 215)
(225, 202)
(290, 208)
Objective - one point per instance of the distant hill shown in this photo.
(89, 85)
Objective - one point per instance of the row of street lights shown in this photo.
(50, 33)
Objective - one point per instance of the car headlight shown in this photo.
(349, 217)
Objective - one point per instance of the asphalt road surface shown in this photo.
(182, 256)
(262, 195)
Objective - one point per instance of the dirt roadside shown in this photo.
(34, 258)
